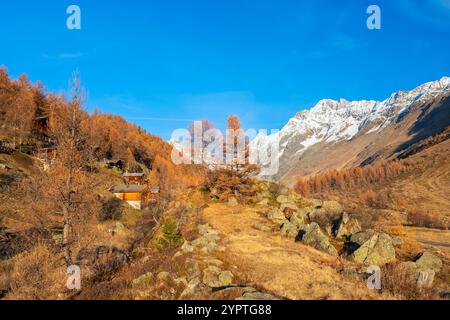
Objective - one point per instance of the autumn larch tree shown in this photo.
(73, 156)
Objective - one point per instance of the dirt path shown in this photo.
(279, 265)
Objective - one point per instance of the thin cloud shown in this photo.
(63, 56)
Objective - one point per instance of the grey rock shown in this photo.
(397, 241)
(314, 237)
(232, 202)
(362, 237)
(262, 227)
(378, 250)
(347, 226)
(143, 280)
(429, 261)
(289, 230)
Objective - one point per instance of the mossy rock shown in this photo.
(313, 236)
(378, 250)
(429, 261)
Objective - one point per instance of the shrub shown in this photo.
(171, 237)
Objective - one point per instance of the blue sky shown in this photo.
(163, 63)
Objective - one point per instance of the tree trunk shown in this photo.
(66, 241)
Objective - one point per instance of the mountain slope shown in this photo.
(338, 134)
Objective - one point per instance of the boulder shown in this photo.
(346, 227)
(313, 236)
(214, 193)
(262, 227)
(119, 227)
(332, 207)
(211, 276)
(315, 203)
(289, 230)
(429, 261)
(283, 199)
(299, 219)
(378, 250)
(187, 247)
(284, 191)
(143, 280)
(363, 236)
(225, 278)
(264, 194)
(181, 281)
(276, 215)
(423, 277)
(232, 202)
(263, 203)
(288, 208)
(209, 248)
(397, 241)
(191, 288)
(214, 262)
(204, 229)
(163, 276)
(216, 278)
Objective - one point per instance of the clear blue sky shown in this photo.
(162, 63)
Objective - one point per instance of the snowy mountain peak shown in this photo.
(331, 121)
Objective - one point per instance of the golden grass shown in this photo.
(279, 265)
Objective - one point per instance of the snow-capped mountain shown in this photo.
(332, 122)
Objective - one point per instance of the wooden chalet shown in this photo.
(131, 193)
